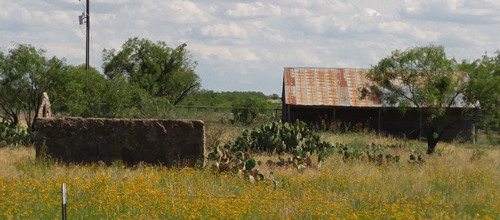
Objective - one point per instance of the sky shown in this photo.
(244, 45)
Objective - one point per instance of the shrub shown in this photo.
(246, 111)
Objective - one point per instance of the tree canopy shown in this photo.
(483, 92)
(82, 93)
(25, 73)
(144, 79)
(228, 99)
(158, 69)
(423, 78)
(140, 81)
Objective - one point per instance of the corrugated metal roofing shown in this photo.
(326, 87)
(334, 87)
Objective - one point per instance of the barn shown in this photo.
(329, 98)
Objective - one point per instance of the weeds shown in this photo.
(452, 185)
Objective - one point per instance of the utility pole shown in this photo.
(88, 38)
(85, 17)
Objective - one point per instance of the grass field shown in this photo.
(460, 181)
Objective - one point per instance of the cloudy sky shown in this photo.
(244, 45)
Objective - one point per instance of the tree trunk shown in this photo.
(431, 142)
(11, 117)
(15, 119)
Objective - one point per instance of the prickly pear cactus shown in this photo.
(277, 137)
(14, 135)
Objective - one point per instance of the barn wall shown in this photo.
(392, 121)
(86, 140)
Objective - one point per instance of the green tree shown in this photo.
(82, 93)
(211, 98)
(121, 98)
(125, 100)
(25, 73)
(158, 69)
(483, 91)
(246, 111)
(274, 96)
(90, 94)
(423, 78)
(206, 98)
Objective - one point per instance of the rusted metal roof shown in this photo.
(326, 87)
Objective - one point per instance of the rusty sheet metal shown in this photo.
(322, 89)
(326, 87)
(332, 90)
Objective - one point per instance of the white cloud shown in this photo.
(213, 53)
(452, 11)
(224, 30)
(320, 23)
(185, 12)
(256, 9)
(372, 12)
(407, 29)
(243, 45)
(278, 38)
(105, 1)
(298, 12)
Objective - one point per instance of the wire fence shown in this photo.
(274, 112)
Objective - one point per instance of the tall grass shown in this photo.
(458, 182)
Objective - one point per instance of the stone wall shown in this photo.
(87, 140)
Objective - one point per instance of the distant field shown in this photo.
(460, 181)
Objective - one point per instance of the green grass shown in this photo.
(460, 181)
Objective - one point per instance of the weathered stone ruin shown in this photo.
(86, 140)
(44, 111)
